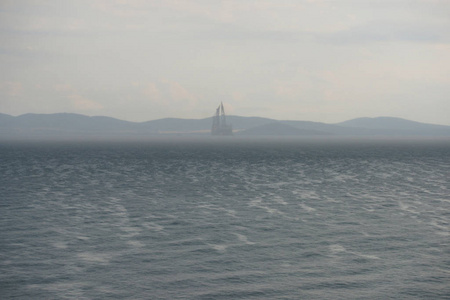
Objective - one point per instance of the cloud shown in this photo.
(11, 88)
(180, 94)
(64, 87)
(385, 30)
(77, 101)
(200, 15)
(151, 91)
(81, 103)
(124, 9)
(166, 92)
(292, 88)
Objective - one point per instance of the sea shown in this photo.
(225, 218)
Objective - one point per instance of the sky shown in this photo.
(311, 60)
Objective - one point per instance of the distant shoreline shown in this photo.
(76, 126)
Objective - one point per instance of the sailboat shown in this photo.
(220, 126)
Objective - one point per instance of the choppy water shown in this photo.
(225, 220)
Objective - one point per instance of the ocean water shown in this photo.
(225, 219)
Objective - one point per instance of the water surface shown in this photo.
(225, 219)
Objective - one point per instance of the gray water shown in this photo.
(233, 219)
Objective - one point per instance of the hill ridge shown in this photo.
(79, 125)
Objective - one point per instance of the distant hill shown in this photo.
(280, 129)
(5, 116)
(387, 123)
(395, 126)
(63, 125)
(66, 125)
(5, 120)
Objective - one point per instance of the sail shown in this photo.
(219, 125)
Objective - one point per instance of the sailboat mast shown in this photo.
(223, 121)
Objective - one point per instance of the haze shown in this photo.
(325, 61)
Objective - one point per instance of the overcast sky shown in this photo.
(313, 60)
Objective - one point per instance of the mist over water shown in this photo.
(225, 219)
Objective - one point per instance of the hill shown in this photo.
(66, 125)
(280, 129)
(395, 126)
(62, 125)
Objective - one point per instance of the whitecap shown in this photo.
(220, 248)
(271, 210)
(406, 207)
(131, 230)
(337, 248)
(136, 244)
(256, 202)
(60, 245)
(307, 208)
(366, 255)
(243, 238)
(279, 200)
